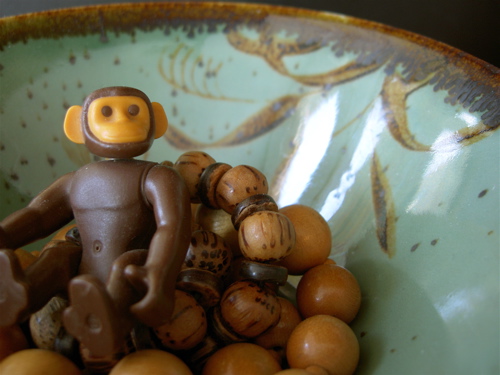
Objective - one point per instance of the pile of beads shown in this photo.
(234, 310)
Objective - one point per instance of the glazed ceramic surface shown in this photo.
(390, 136)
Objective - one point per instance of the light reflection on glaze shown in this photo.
(312, 142)
(373, 127)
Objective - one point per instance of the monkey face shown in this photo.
(119, 119)
(116, 122)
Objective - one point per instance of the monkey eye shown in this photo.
(133, 109)
(106, 111)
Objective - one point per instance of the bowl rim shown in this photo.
(32, 25)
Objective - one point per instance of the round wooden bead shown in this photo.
(313, 239)
(242, 359)
(251, 205)
(266, 236)
(190, 166)
(249, 309)
(209, 181)
(202, 284)
(188, 325)
(151, 361)
(331, 290)
(237, 184)
(324, 341)
(208, 251)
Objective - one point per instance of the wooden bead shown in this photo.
(241, 359)
(202, 284)
(190, 166)
(209, 180)
(331, 290)
(251, 205)
(276, 338)
(208, 251)
(198, 356)
(38, 361)
(46, 324)
(151, 361)
(249, 309)
(237, 184)
(260, 272)
(266, 236)
(221, 330)
(12, 339)
(219, 222)
(313, 239)
(326, 342)
(188, 325)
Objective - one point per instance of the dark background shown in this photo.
(470, 25)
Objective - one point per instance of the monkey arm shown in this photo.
(47, 212)
(169, 197)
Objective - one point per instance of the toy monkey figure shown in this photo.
(134, 222)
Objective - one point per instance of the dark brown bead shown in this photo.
(209, 180)
(251, 205)
(203, 285)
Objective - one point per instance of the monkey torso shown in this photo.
(111, 211)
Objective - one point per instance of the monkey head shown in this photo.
(116, 122)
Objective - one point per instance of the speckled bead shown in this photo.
(208, 251)
(190, 166)
(249, 309)
(46, 324)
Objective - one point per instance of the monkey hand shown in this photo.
(157, 305)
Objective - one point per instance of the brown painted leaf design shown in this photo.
(383, 205)
(258, 124)
(394, 93)
(272, 49)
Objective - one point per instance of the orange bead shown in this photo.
(326, 342)
(313, 239)
(12, 339)
(330, 290)
(37, 361)
(241, 359)
(151, 361)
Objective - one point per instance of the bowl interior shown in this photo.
(390, 136)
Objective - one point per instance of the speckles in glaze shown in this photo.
(434, 242)
(482, 193)
(415, 247)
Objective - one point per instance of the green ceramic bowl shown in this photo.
(391, 136)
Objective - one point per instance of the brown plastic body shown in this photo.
(134, 221)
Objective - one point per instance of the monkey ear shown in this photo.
(161, 120)
(73, 124)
